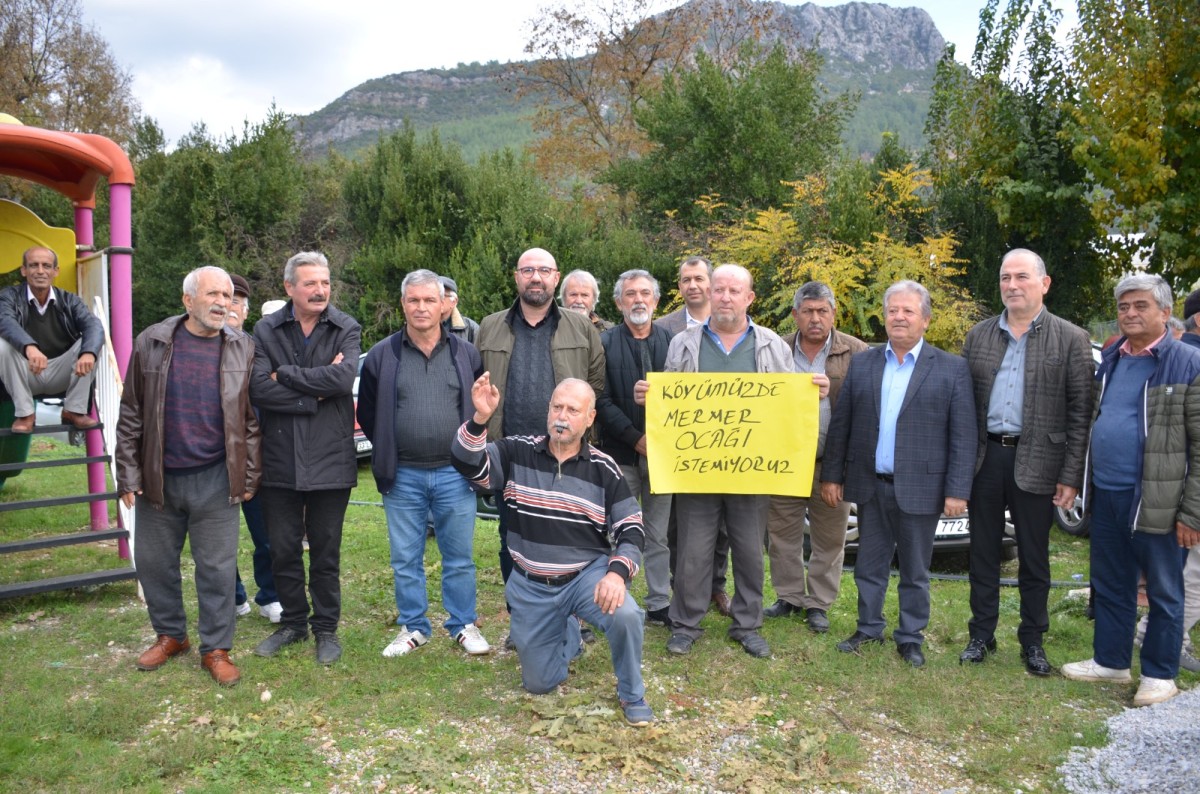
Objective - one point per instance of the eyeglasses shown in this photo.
(544, 272)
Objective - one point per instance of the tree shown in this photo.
(244, 203)
(738, 132)
(59, 73)
(594, 64)
(413, 202)
(785, 248)
(1003, 175)
(1136, 117)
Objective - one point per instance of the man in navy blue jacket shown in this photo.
(414, 392)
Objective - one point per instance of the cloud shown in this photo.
(224, 61)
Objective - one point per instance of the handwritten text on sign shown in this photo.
(722, 433)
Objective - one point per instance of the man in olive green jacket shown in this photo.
(529, 349)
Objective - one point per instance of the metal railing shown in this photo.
(108, 405)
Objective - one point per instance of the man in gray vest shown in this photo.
(728, 342)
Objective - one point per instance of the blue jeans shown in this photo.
(1118, 555)
(414, 495)
(547, 637)
(257, 526)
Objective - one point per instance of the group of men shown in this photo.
(547, 408)
(212, 418)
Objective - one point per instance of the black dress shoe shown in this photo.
(283, 636)
(818, 621)
(329, 649)
(754, 644)
(911, 653)
(781, 609)
(856, 640)
(680, 644)
(977, 650)
(1035, 660)
(658, 617)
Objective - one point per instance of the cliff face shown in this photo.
(887, 54)
(864, 33)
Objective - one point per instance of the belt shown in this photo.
(885, 477)
(552, 581)
(1003, 440)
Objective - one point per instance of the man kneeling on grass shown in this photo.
(575, 534)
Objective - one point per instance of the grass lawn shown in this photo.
(77, 716)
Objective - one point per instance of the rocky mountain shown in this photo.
(887, 54)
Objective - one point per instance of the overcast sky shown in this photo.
(224, 61)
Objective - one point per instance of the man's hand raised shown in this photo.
(485, 397)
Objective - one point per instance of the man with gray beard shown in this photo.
(631, 350)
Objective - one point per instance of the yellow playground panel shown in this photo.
(21, 230)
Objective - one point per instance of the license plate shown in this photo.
(954, 526)
(363, 445)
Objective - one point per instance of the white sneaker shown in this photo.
(405, 642)
(472, 641)
(272, 611)
(243, 609)
(1154, 690)
(1090, 671)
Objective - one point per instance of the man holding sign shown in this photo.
(901, 444)
(729, 343)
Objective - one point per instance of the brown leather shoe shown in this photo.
(161, 652)
(220, 668)
(78, 421)
(23, 424)
(721, 600)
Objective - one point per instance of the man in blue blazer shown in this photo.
(901, 443)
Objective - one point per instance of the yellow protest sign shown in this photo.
(709, 432)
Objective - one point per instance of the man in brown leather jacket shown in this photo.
(188, 453)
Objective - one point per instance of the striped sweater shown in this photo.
(560, 516)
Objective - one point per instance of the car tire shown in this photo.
(1074, 521)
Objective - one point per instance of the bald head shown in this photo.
(572, 411)
(732, 294)
(536, 278)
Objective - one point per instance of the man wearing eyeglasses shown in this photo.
(529, 349)
(49, 343)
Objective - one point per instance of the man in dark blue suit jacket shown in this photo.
(901, 443)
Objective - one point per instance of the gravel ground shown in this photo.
(1153, 749)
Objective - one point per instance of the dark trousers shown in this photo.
(995, 489)
(884, 531)
(256, 524)
(720, 551)
(290, 516)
